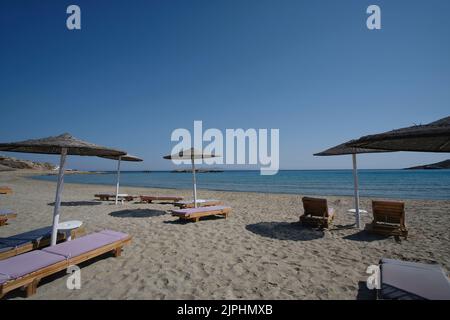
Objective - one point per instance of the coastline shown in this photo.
(259, 252)
(417, 185)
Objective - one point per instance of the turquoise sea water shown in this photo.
(400, 184)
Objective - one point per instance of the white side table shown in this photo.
(353, 211)
(68, 226)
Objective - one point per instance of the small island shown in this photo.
(197, 170)
(438, 165)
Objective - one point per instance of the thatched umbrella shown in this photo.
(127, 157)
(432, 137)
(191, 154)
(63, 144)
(345, 149)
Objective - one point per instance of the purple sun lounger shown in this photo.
(402, 280)
(195, 214)
(26, 270)
(31, 240)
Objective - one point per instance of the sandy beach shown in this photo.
(259, 252)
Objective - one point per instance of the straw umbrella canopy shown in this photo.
(432, 137)
(191, 154)
(345, 149)
(63, 145)
(127, 157)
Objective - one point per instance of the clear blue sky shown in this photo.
(139, 69)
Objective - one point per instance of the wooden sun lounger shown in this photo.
(5, 215)
(108, 196)
(388, 218)
(26, 270)
(190, 204)
(32, 240)
(5, 190)
(195, 214)
(316, 212)
(150, 199)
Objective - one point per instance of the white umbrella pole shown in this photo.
(355, 181)
(59, 189)
(194, 180)
(118, 179)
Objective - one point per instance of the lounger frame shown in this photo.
(5, 190)
(30, 281)
(150, 199)
(316, 212)
(388, 219)
(44, 242)
(195, 217)
(106, 197)
(200, 204)
(5, 217)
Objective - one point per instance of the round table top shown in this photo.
(69, 225)
(354, 211)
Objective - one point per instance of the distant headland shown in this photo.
(438, 165)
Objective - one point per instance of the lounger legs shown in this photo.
(31, 288)
(117, 252)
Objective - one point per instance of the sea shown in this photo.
(396, 184)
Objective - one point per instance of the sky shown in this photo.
(137, 70)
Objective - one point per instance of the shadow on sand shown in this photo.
(285, 231)
(137, 213)
(364, 236)
(364, 293)
(76, 203)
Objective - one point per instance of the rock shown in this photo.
(24, 164)
(438, 165)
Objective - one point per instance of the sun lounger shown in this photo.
(5, 190)
(150, 199)
(200, 203)
(316, 212)
(26, 270)
(5, 215)
(388, 218)
(32, 240)
(402, 280)
(195, 214)
(108, 196)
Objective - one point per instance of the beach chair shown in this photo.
(32, 240)
(5, 215)
(5, 190)
(402, 280)
(150, 199)
(108, 196)
(316, 212)
(26, 270)
(194, 214)
(200, 203)
(388, 218)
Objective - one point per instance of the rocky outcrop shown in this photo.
(24, 164)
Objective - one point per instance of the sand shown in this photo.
(259, 252)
